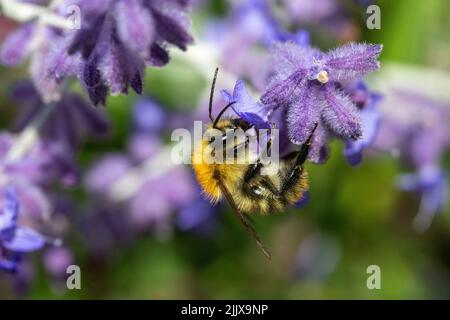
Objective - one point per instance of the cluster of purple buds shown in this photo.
(108, 54)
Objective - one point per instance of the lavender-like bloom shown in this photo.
(416, 128)
(432, 184)
(370, 115)
(44, 165)
(109, 53)
(246, 108)
(15, 239)
(119, 37)
(309, 83)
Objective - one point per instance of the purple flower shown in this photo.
(198, 215)
(155, 197)
(367, 102)
(148, 116)
(14, 238)
(309, 83)
(432, 185)
(415, 127)
(56, 261)
(119, 37)
(246, 108)
(109, 53)
(43, 166)
(255, 20)
(47, 49)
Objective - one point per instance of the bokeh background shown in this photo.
(170, 244)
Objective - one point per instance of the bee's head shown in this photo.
(231, 124)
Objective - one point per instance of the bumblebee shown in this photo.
(241, 182)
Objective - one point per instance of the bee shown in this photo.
(241, 182)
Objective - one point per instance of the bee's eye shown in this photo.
(257, 190)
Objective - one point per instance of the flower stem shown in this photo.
(24, 12)
(29, 136)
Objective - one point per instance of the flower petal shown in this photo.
(289, 57)
(17, 46)
(171, 25)
(134, 25)
(51, 66)
(341, 115)
(226, 96)
(370, 119)
(319, 151)
(158, 56)
(8, 218)
(246, 108)
(95, 86)
(352, 61)
(303, 115)
(283, 92)
(112, 67)
(25, 240)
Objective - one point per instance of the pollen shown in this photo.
(322, 77)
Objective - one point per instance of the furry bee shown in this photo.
(241, 183)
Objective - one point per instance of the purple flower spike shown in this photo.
(246, 108)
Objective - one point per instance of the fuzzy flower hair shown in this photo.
(309, 83)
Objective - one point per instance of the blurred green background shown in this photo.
(355, 216)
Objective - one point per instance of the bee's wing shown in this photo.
(242, 218)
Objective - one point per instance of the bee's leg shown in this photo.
(303, 153)
(292, 177)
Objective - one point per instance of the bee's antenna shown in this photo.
(222, 112)
(211, 95)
